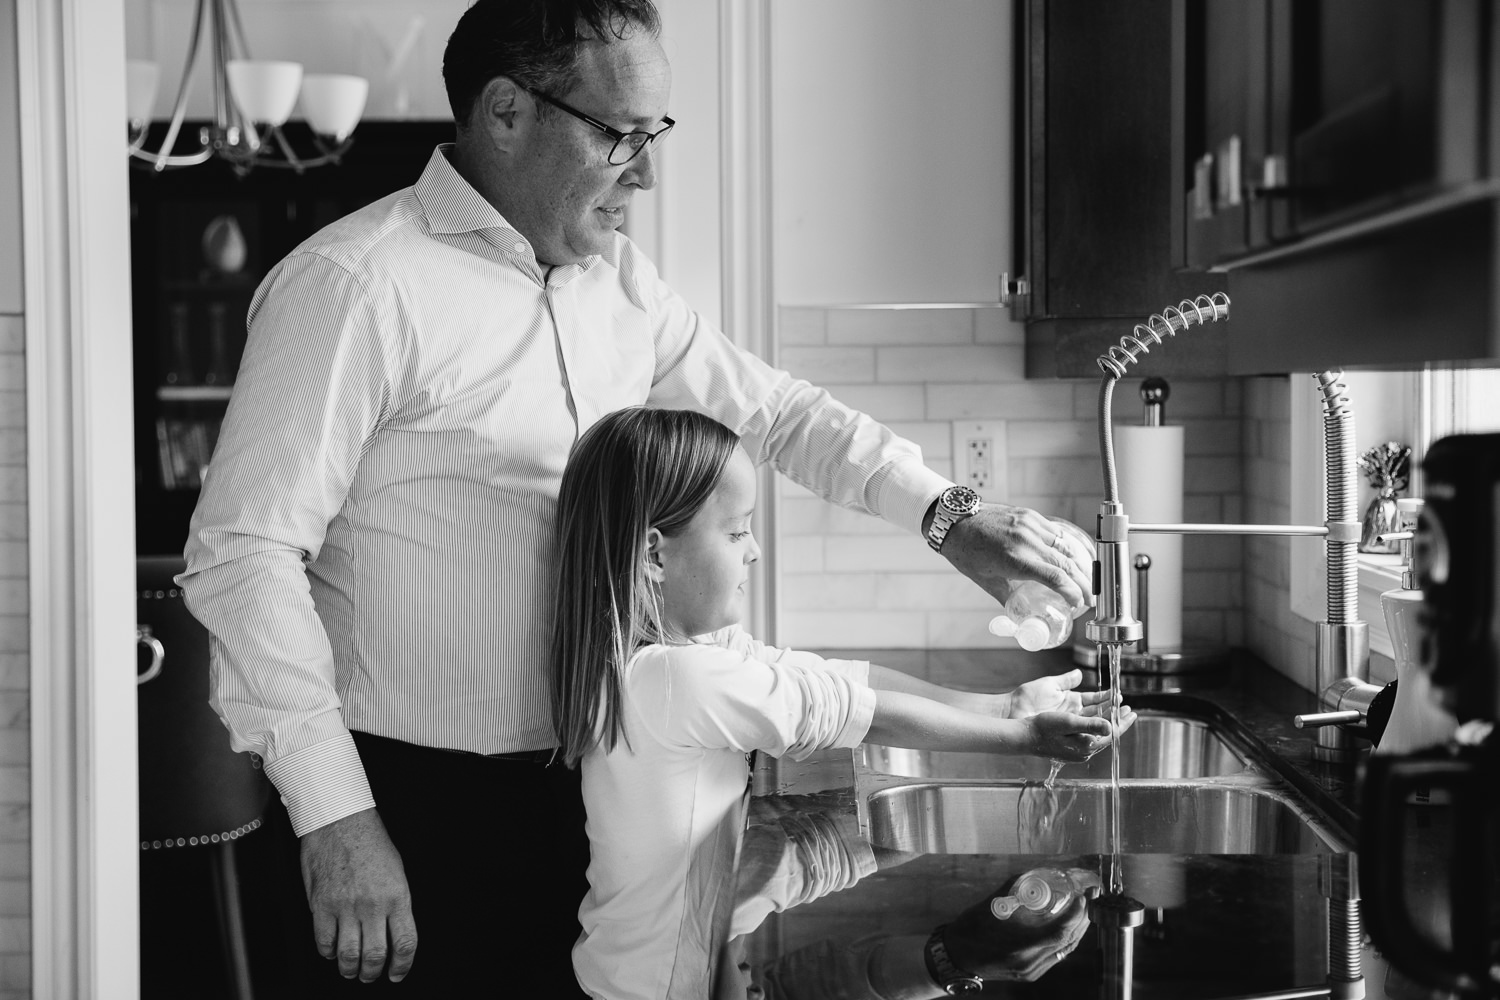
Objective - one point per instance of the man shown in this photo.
(370, 549)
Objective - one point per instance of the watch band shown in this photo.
(953, 505)
(953, 980)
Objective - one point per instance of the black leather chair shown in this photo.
(196, 795)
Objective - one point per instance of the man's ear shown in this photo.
(655, 569)
(499, 111)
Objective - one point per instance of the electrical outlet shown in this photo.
(980, 457)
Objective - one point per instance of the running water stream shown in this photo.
(1111, 663)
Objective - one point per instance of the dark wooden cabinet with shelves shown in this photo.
(1319, 113)
(1341, 171)
(202, 238)
(1099, 184)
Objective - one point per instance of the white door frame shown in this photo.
(747, 294)
(81, 509)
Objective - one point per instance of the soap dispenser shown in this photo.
(1416, 719)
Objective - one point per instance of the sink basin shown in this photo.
(1161, 744)
(1074, 818)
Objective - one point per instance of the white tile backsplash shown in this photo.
(850, 581)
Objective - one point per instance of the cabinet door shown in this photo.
(1317, 113)
(1231, 39)
(1103, 185)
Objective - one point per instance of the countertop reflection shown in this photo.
(821, 911)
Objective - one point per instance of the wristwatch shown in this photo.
(953, 505)
(954, 981)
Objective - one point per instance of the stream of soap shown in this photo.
(1111, 652)
(1057, 765)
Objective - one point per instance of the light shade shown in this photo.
(265, 91)
(333, 103)
(141, 79)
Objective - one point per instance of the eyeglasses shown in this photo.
(627, 144)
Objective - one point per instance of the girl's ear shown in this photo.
(655, 569)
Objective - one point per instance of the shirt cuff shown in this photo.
(861, 714)
(906, 491)
(322, 783)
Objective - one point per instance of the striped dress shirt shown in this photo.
(370, 549)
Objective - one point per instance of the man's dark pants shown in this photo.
(496, 857)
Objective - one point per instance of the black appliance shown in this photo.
(1430, 820)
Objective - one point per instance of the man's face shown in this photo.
(573, 199)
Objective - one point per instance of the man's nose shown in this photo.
(641, 171)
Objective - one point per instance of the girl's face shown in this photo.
(703, 570)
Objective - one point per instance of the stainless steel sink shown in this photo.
(1178, 817)
(1161, 744)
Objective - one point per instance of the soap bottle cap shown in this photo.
(1002, 626)
(1032, 634)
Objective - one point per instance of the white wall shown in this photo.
(891, 150)
(678, 224)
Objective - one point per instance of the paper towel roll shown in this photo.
(1148, 461)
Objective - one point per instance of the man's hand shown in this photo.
(1000, 543)
(1017, 950)
(361, 906)
(1056, 694)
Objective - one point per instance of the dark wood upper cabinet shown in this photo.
(1342, 174)
(1099, 185)
(1334, 165)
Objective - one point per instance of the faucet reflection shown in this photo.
(1342, 640)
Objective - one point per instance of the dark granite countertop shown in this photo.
(824, 911)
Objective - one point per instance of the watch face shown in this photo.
(960, 499)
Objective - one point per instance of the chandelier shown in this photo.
(252, 99)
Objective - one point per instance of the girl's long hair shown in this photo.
(634, 470)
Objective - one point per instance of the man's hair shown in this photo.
(634, 470)
(533, 42)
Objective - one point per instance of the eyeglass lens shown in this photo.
(631, 143)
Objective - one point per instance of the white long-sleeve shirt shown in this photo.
(370, 550)
(663, 811)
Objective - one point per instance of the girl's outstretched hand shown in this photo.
(1057, 694)
(1074, 738)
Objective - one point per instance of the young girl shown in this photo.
(661, 695)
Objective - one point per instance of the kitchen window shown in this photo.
(1414, 408)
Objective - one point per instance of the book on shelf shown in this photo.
(183, 451)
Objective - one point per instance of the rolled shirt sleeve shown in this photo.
(722, 697)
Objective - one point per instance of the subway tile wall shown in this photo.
(852, 581)
(1272, 630)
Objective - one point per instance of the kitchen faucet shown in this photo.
(1342, 647)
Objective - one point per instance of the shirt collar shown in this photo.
(453, 206)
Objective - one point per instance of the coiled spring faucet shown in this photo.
(1342, 640)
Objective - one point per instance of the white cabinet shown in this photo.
(891, 150)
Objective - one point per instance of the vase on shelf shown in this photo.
(1385, 465)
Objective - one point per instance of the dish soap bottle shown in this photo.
(1416, 719)
(1037, 616)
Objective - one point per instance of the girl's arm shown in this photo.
(1045, 694)
(889, 679)
(903, 719)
